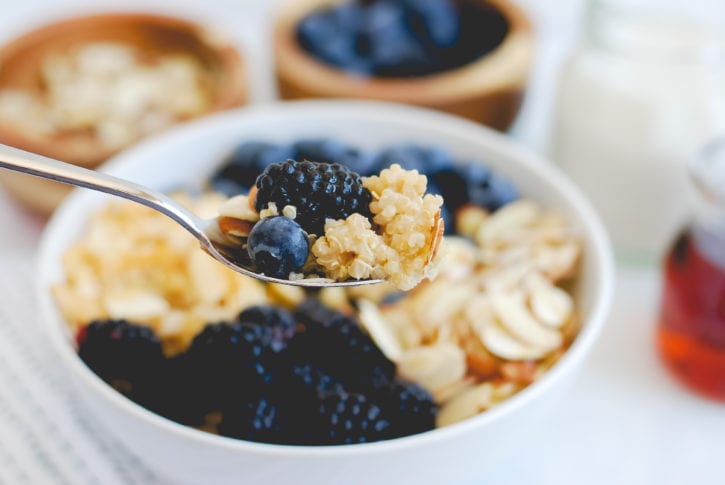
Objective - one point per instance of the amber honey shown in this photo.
(691, 332)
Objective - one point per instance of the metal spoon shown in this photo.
(206, 231)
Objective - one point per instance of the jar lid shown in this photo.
(660, 29)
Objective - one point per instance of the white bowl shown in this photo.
(450, 455)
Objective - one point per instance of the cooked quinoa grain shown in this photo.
(351, 249)
(408, 222)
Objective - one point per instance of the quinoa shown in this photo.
(404, 245)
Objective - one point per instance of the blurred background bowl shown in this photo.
(457, 453)
(22, 61)
(488, 90)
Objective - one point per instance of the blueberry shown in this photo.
(437, 22)
(227, 186)
(451, 184)
(245, 163)
(487, 189)
(329, 36)
(278, 246)
(332, 151)
(347, 16)
(476, 184)
(426, 160)
(445, 213)
(392, 49)
(482, 29)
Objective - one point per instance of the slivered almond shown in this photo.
(551, 305)
(252, 198)
(507, 221)
(510, 309)
(433, 366)
(438, 231)
(380, 329)
(231, 226)
(238, 208)
(466, 404)
(503, 345)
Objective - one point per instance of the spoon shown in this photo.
(206, 231)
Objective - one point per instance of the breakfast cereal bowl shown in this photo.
(465, 450)
(81, 89)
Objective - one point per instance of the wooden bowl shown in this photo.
(488, 90)
(22, 59)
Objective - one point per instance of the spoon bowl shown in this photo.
(206, 231)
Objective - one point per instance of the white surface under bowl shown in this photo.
(455, 454)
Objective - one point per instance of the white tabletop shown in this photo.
(624, 420)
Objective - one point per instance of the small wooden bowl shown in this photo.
(488, 90)
(22, 59)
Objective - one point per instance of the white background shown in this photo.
(624, 421)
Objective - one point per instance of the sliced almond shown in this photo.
(134, 304)
(503, 345)
(510, 309)
(433, 366)
(469, 218)
(437, 231)
(551, 305)
(208, 278)
(445, 393)
(286, 295)
(238, 228)
(438, 303)
(521, 372)
(252, 198)
(557, 262)
(466, 404)
(335, 297)
(508, 219)
(238, 208)
(380, 330)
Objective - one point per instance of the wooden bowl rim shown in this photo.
(506, 66)
(231, 89)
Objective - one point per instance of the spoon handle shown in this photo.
(40, 166)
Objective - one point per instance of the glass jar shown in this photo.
(691, 332)
(642, 92)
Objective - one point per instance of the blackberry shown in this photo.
(318, 191)
(125, 355)
(276, 318)
(183, 398)
(229, 362)
(350, 418)
(336, 344)
(315, 381)
(258, 419)
(411, 408)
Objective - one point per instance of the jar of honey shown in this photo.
(691, 331)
